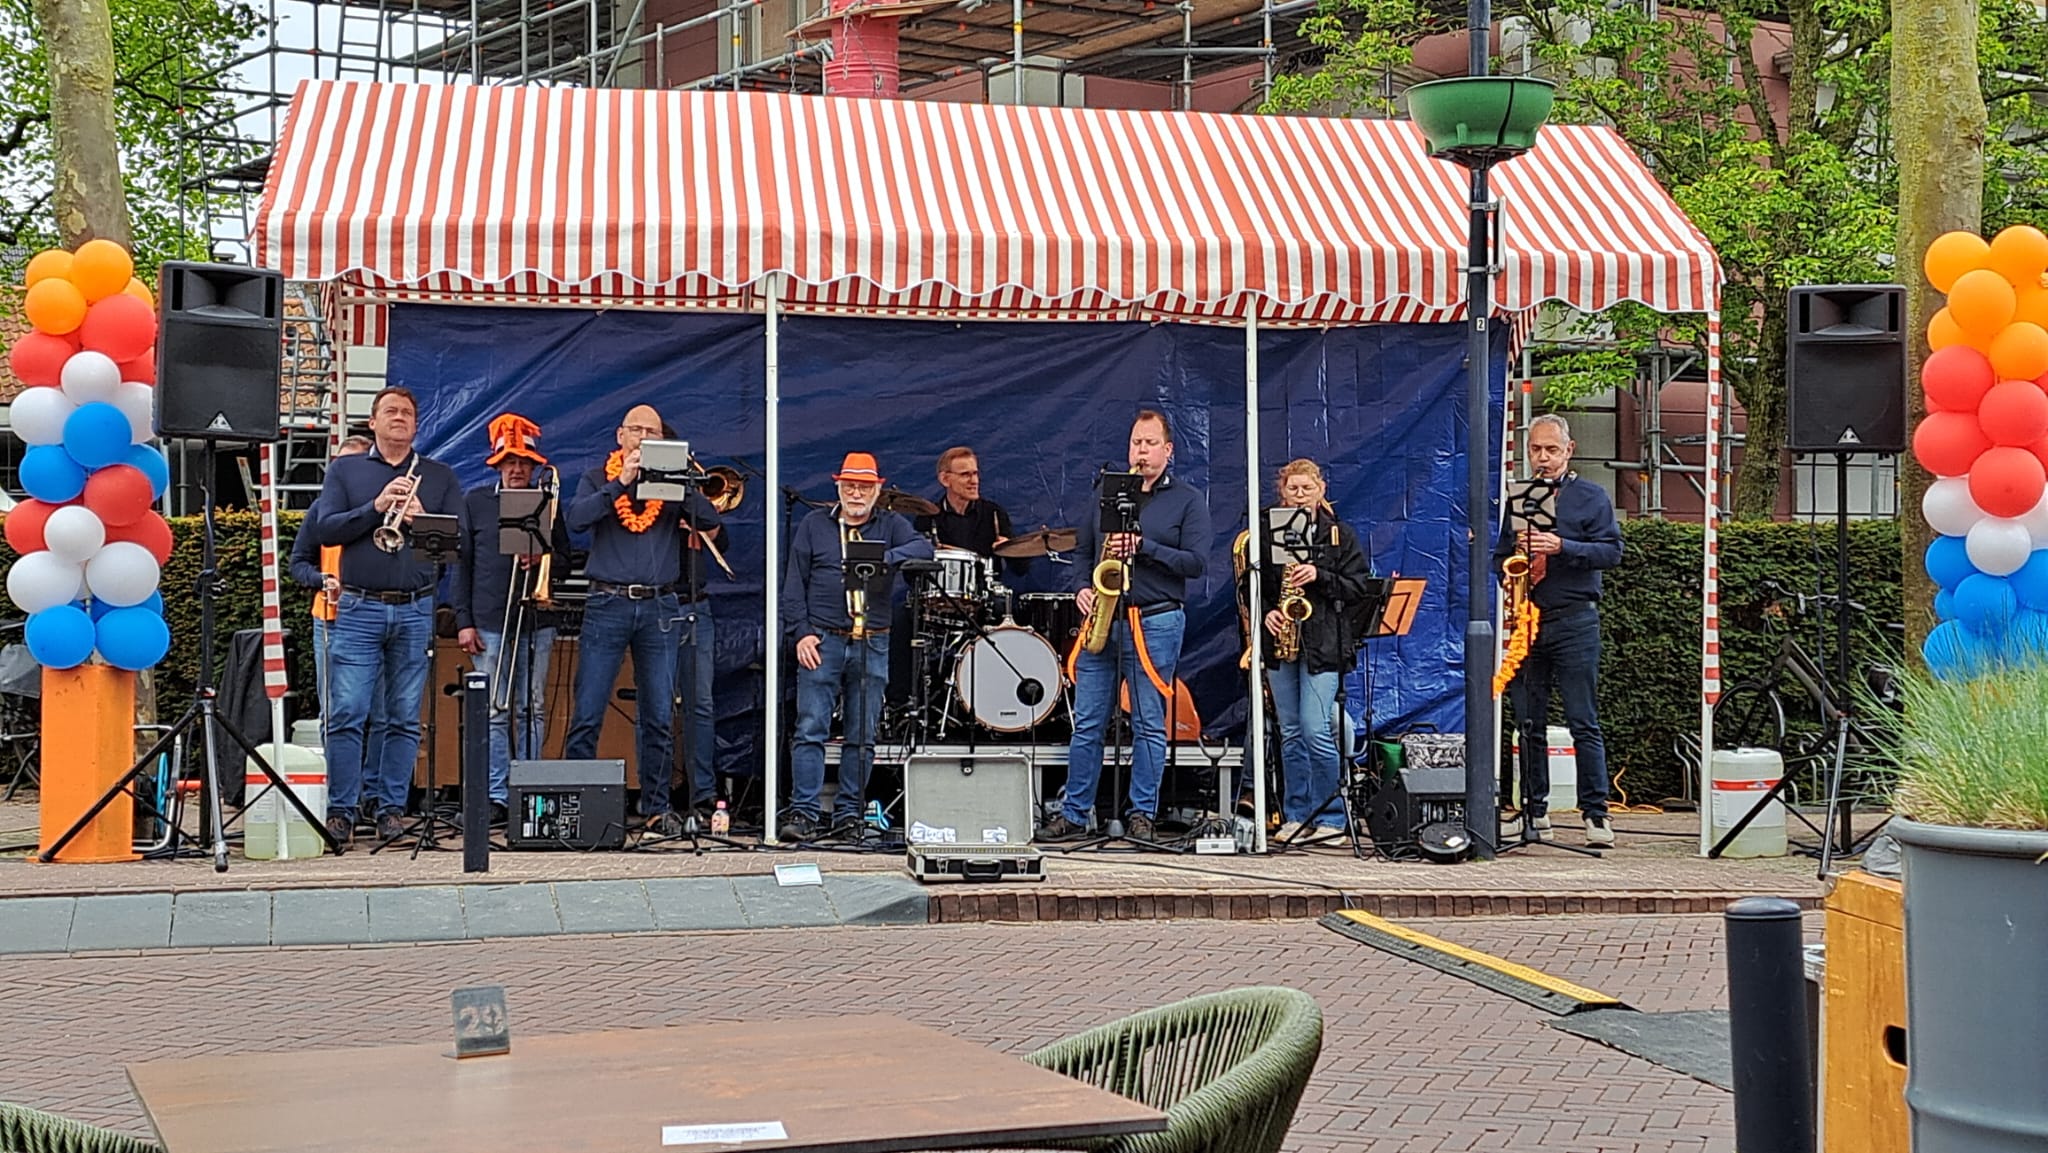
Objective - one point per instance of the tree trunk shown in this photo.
(88, 196)
(1938, 137)
(1761, 389)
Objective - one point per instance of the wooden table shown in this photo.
(847, 1084)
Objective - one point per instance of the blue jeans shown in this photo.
(612, 625)
(694, 666)
(1096, 676)
(1307, 704)
(516, 736)
(374, 739)
(377, 677)
(852, 673)
(1567, 652)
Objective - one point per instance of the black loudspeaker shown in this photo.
(566, 805)
(1845, 368)
(1420, 813)
(219, 352)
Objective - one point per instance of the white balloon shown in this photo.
(2036, 520)
(43, 580)
(1948, 507)
(138, 403)
(75, 533)
(122, 574)
(90, 376)
(38, 415)
(1997, 545)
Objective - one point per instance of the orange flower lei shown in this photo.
(1527, 617)
(634, 521)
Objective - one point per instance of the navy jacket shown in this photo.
(344, 515)
(620, 556)
(305, 562)
(1173, 524)
(478, 586)
(1340, 581)
(814, 588)
(1591, 542)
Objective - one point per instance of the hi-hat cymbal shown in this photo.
(907, 503)
(1039, 542)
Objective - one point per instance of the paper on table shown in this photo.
(723, 1134)
(787, 875)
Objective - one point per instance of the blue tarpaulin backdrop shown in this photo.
(1044, 405)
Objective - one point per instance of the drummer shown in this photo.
(964, 519)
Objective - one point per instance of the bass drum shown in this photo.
(1053, 616)
(1008, 679)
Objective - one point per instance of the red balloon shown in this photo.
(25, 525)
(38, 358)
(141, 370)
(2007, 481)
(118, 494)
(2040, 449)
(120, 326)
(2014, 412)
(149, 530)
(1956, 378)
(1948, 442)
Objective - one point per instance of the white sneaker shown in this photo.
(1287, 831)
(1599, 834)
(1540, 824)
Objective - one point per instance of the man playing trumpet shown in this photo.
(383, 626)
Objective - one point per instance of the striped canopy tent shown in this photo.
(783, 204)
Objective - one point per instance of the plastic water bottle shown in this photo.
(721, 820)
(1241, 832)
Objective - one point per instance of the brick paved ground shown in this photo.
(1414, 1060)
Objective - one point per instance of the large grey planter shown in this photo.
(1976, 988)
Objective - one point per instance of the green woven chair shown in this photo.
(24, 1130)
(1227, 1068)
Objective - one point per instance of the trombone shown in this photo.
(526, 582)
(725, 488)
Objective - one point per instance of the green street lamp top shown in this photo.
(1480, 121)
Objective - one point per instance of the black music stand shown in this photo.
(437, 539)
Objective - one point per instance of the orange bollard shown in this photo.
(88, 744)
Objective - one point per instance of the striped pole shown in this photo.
(276, 681)
(1710, 581)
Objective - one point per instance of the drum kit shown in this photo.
(986, 660)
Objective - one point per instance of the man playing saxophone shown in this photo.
(1142, 633)
(384, 620)
(1306, 651)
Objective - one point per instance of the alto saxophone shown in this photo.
(1294, 608)
(1112, 575)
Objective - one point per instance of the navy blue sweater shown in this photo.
(621, 556)
(478, 586)
(1591, 542)
(305, 563)
(1173, 523)
(345, 515)
(814, 589)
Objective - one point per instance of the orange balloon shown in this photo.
(1943, 331)
(49, 263)
(2032, 306)
(2020, 352)
(140, 291)
(54, 306)
(2020, 254)
(101, 268)
(1951, 255)
(1982, 303)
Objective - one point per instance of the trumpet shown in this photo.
(389, 537)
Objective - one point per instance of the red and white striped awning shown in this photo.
(621, 196)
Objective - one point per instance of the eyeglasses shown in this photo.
(642, 429)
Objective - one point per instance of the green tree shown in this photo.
(1792, 176)
(162, 48)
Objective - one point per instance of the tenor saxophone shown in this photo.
(1111, 577)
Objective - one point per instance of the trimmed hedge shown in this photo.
(1649, 682)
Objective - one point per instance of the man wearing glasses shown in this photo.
(636, 558)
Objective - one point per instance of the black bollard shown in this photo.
(476, 773)
(1767, 1027)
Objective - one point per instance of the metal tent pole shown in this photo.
(771, 640)
(1256, 751)
(1482, 817)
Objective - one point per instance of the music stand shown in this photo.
(436, 538)
(526, 528)
(1531, 505)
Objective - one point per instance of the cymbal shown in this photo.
(907, 503)
(1039, 542)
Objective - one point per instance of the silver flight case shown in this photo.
(968, 818)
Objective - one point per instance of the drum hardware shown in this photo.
(907, 503)
(1038, 542)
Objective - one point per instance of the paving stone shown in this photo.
(603, 907)
(681, 903)
(206, 920)
(865, 900)
(122, 921)
(36, 924)
(771, 906)
(425, 913)
(320, 917)
(509, 911)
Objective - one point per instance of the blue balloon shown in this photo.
(60, 638)
(49, 474)
(133, 638)
(1948, 561)
(2030, 583)
(150, 460)
(1984, 604)
(97, 435)
(154, 604)
(1953, 652)
(1944, 605)
(2026, 639)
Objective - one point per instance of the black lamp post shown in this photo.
(1478, 121)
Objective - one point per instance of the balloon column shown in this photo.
(91, 547)
(1985, 438)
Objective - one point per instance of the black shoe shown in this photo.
(389, 827)
(798, 828)
(666, 825)
(849, 828)
(343, 831)
(1060, 829)
(1138, 827)
(500, 815)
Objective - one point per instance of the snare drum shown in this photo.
(1007, 679)
(961, 584)
(1053, 616)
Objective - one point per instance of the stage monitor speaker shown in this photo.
(566, 805)
(219, 352)
(1845, 368)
